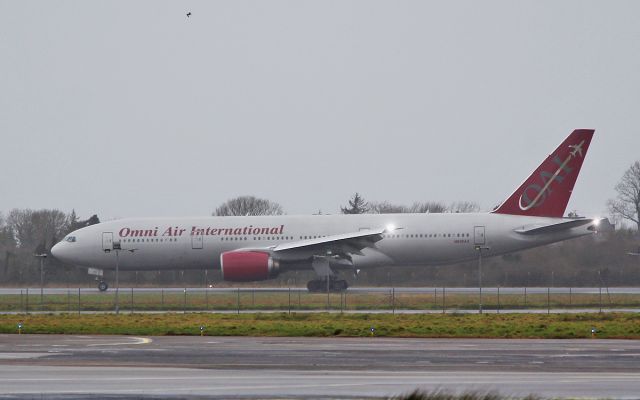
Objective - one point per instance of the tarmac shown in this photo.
(72, 366)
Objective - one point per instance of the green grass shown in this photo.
(562, 326)
(202, 300)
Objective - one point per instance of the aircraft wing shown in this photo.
(360, 240)
(344, 244)
(598, 224)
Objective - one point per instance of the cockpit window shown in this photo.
(70, 239)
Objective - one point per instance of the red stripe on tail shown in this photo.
(547, 190)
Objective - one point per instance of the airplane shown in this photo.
(256, 248)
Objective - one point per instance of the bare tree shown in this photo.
(248, 205)
(33, 228)
(464, 207)
(7, 241)
(357, 205)
(74, 223)
(385, 207)
(427, 207)
(627, 204)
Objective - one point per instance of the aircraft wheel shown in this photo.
(319, 286)
(314, 286)
(339, 285)
(103, 286)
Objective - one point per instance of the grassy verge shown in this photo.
(300, 300)
(443, 395)
(565, 326)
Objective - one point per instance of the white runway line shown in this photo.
(136, 341)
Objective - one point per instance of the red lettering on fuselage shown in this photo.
(128, 232)
(197, 231)
(173, 231)
(246, 230)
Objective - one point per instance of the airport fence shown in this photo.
(392, 300)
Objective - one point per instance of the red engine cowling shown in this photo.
(244, 266)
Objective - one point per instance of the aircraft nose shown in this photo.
(58, 251)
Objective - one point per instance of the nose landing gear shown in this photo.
(99, 276)
(102, 285)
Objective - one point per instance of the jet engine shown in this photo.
(244, 266)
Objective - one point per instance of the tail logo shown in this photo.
(539, 192)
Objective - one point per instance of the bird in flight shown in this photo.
(188, 14)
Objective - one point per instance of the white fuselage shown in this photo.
(197, 243)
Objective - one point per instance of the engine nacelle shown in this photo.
(245, 266)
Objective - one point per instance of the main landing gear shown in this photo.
(320, 285)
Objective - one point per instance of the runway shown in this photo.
(224, 367)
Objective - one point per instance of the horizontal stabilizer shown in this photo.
(538, 229)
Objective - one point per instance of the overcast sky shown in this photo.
(132, 109)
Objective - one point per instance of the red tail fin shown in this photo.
(546, 192)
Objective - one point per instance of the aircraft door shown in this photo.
(107, 241)
(478, 235)
(196, 241)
